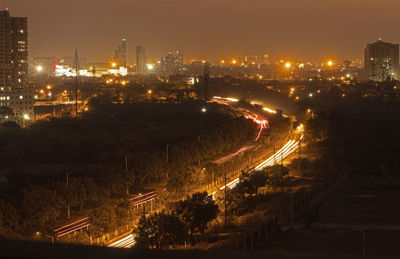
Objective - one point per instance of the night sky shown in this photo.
(306, 29)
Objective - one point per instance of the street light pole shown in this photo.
(299, 148)
(126, 171)
(225, 199)
(68, 209)
(250, 161)
(167, 154)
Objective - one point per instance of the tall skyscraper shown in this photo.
(14, 91)
(140, 60)
(382, 61)
(121, 54)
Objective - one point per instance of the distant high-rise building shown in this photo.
(140, 60)
(121, 54)
(172, 63)
(382, 61)
(14, 91)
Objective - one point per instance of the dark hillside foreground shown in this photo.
(24, 250)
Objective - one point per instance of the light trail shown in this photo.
(269, 110)
(125, 242)
(232, 99)
(287, 149)
(263, 123)
(278, 154)
(223, 159)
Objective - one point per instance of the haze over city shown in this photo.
(199, 129)
(311, 30)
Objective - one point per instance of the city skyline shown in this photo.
(215, 28)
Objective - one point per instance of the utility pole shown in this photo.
(292, 209)
(167, 151)
(274, 154)
(225, 199)
(167, 154)
(126, 164)
(126, 171)
(364, 252)
(68, 209)
(299, 148)
(206, 76)
(250, 161)
(76, 81)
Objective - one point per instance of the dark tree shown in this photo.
(103, 220)
(197, 210)
(249, 182)
(160, 230)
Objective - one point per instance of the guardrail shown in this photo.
(72, 227)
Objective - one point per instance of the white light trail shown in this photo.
(282, 153)
(125, 242)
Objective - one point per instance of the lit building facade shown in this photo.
(172, 63)
(14, 90)
(140, 60)
(382, 61)
(121, 54)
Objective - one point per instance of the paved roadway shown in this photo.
(285, 151)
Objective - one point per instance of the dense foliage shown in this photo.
(93, 149)
(165, 229)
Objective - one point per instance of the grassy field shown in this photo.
(361, 204)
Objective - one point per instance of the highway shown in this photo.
(284, 152)
(124, 242)
(287, 149)
(259, 120)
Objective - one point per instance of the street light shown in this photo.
(329, 63)
(25, 118)
(39, 68)
(149, 92)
